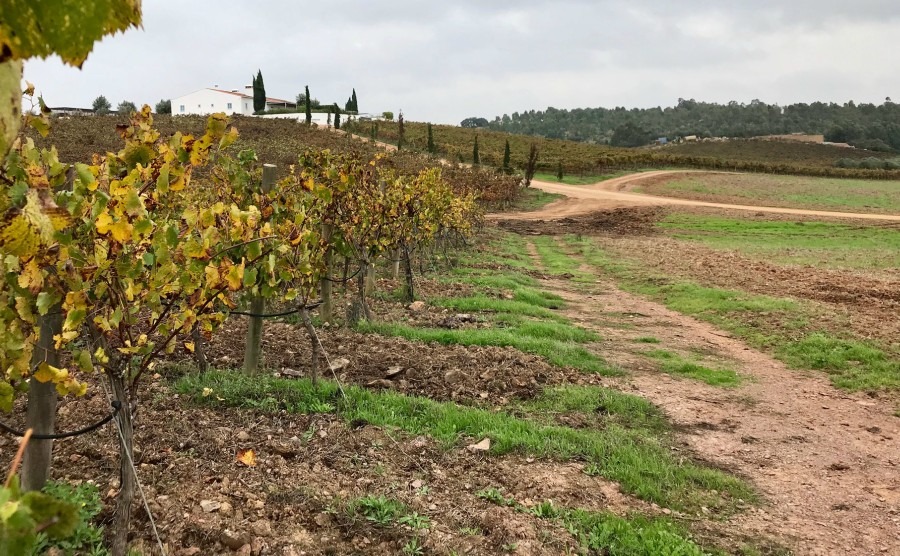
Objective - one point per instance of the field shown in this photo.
(585, 159)
(776, 152)
(784, 191)
(636, 381)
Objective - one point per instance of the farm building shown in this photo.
(211, 100)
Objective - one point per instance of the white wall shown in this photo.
(209, 101)
(319, 118)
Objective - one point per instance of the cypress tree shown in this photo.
(355, 101)
(259, 93)
(559, 172)
(308, 107)
(476, 159)
(337, 116)
(401, 131)
(374, 132)
(431, 148)
(506, 156)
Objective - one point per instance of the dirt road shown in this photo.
(614, 193)
(825, 461)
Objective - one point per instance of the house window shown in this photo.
(181, 108)
(229, 106)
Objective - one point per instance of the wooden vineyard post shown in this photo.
(326, 310)
(253, 347)
(42, 396)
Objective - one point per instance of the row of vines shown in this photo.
(111, 264)
(456, 144)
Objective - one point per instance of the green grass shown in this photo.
(601, 405)
(647, 340)
(508, 280)
(557, 348)
(639, 462)
(822, 244)
(783, 326)
(787, 191)
(87, 538)
(481, 303)
(499, 249)
(534, 199)
(578, 180)
(555, 261)
(607, 533)
(674, 364)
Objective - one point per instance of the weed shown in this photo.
(87, 537)
(413, 547)
(639, 462)
(495, 495)
(673, 364)
(380, 510)
(647, 340)
(415, 521)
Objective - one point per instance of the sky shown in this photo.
(446, 61)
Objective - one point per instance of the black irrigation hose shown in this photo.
(275, 315)
(116, 404)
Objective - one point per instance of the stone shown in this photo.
(234, 540)
(483, 446)
(210, 506)
(262, 528)
(417, 306)
(455, 376)
(339, 365)
(393, 371)
(243, 436)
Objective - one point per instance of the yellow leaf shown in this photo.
(103, 222)
(48, 373)
(212, 276)
(247, 457)
(121, 231)
(207, 392)
(235, 277)
(189, 346)
(31, 277)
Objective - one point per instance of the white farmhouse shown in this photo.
(212, 100)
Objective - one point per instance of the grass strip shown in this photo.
(674, 364)
(558, 350)
(641, 464)
(851, 364)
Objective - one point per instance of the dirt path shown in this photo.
(827, 463)
(584, 199)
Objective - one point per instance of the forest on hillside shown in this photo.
(869, 126)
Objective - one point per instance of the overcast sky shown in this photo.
(445, 61)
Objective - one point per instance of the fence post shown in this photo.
(253, 346)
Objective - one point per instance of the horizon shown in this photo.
(446, 63)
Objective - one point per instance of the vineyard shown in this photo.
(114, 264)
(585, 159)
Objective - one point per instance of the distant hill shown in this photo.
(869, 126)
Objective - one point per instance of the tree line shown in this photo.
(865, 125)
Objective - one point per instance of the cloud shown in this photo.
(449, 60)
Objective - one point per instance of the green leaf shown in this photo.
(149, 259)
(46, 509)
(45, 301)
(6, 397)
(68, 28)
(249, 277)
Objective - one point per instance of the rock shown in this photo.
(417, 484)
(417, 306)
(257, 546)
(234, 540)
(226, 509)
(339, 365)
(292, 373)
(210, 506)
(482, 446)
(393, 371)
(455, 376)
(245, 550)
(262, 528)
(465, 317)
(419, 442)
(380, 383)
(242, 436)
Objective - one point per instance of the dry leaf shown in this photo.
(247, 457)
